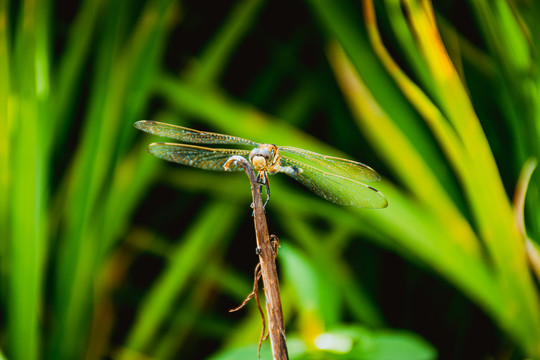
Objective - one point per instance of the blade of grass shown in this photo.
(131, 179)
(234, 283)
(509, 43)
(28, 198)
(316, 295)
(514, 48)
(266, 83)
(324, 255)
(434, 118)
(484, 187)
(142, 58)
(190, 318)
(340, 23)
(70, 66)
(408, 164)
(111, 274)
(195, 248)
(423, 20)
(220, 49)
(299, 106)
(470, 52)
(530, 12)
(90, 163)
(533, 255)
(6, 138)
(405, 38)
(500, 312)
(112, 90)
(412, 231)
(432, 115)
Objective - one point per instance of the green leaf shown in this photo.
(376, 345)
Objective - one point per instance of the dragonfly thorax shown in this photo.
(265, 158)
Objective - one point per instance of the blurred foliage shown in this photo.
(107, 252)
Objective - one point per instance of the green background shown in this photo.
(108, 252)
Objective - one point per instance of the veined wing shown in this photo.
(335, 188)
(190, 135)
(353, 170)
(195, 156)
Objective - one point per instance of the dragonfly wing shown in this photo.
(347, 168)
(335, 188)
(190, 135)
(196, 156)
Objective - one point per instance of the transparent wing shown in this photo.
(332, 187)
(347, 168)
(196, 156)
(190, 135)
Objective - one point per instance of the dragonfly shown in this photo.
(335, 179)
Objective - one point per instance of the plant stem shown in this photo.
(268, 264)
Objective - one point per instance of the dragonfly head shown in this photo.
(263, 157)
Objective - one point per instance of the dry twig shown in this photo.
(255, 292)
(267, 251)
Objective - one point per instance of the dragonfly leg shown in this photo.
(263, 180)
(267, 194)
(260, 180)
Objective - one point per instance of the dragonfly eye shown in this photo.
(253, 153)
(266, 154)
